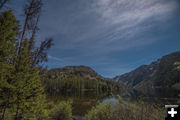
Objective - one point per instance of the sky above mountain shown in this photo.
(111, 36)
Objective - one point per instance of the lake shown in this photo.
(83, 103)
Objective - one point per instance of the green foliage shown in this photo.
(9, 30)
(103, 112)
(65, 84)
(62, 111)
(29, 93)
(21, 91)
(126, 111)
(178, 65)
(8, 36)
(137, 111)
(179, 99)
(75, 85)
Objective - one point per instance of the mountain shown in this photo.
(77, 71)
(77, 81)
(159, 74)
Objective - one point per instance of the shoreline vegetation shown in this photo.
(120, 110)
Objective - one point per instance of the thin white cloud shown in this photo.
(117, 11)
(54, 58)
(129, 14)
(104, 22)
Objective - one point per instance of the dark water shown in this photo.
(83, 103)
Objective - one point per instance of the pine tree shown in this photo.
(21, 90)
(8, 35)
(30, 98)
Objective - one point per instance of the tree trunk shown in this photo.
(17, 112)
(22, 36)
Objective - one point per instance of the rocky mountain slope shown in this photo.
(159, 74)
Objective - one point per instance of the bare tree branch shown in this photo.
(2, 3)
(32, 11)
(41, 53)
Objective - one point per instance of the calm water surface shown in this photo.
(82, 104)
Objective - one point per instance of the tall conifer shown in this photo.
(8, 36)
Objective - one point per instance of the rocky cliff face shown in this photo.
(161, 73)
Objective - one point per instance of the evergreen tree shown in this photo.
(21, 90)
(8, 35)
(30, 98)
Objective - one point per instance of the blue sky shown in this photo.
(111, 36)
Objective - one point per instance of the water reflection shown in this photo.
(82, 103)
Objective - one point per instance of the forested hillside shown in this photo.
(77, 81)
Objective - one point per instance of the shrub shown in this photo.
(122, 110)
(103, 112)
(137, 111)
(62, 111)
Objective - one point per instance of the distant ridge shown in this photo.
(159, 74)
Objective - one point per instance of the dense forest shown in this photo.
(77, 81)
